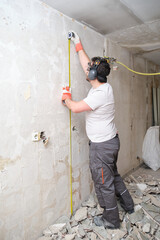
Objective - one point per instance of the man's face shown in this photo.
(88, 69)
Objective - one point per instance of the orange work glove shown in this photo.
(66, 93)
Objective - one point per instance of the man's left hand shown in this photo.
(66, 94)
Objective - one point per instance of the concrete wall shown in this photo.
(133, 101)
(34, 179)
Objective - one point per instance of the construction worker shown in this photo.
(104, 141)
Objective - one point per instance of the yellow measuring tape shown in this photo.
(145, 74)
(70, 127)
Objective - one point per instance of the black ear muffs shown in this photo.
(93, 70)
(92, 74)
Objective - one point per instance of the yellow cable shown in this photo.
(145, 74)
(70, 140)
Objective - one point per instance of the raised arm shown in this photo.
(83, 57)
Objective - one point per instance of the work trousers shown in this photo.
(107, 181)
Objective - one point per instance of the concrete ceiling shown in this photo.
(134, 24)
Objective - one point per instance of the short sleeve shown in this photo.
(95, 99)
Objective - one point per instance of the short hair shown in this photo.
(103, 69)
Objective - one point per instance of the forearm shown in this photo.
(69, 104)
(83, 57)
(77, 107)
(84, 60)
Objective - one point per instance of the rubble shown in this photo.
(146, 228)
(136, 216)
(81, 214)
(55, 228)
(100, 232)
(70, 236)
(142, 224)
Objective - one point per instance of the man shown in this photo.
(104, 141)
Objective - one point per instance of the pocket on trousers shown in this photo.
(97, 175)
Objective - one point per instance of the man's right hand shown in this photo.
(76, 40)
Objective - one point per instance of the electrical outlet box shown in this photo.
(36, 136)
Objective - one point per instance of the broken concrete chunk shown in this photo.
(47, 232)
(121, 216)
(99, 210)
(74, 230)
(136, 216)
(126, 225)
(146, 199)
(141, 236)
(117, 233)
(136, 200)
(129, 238)
(68, 228)
(77, 238)
(138, 193)
(146, 228)
(92, 212)
(127, 180)
(90, 203)
(87, 228)
(157, 235)
(81, 231)
(134, 233)
(92, 236)
(149, 207)
(70, 236)
(153, 231)
(100, 232)
(73, 222)
(155, 201)
(157, 218)
(152, 183)
(142, 186)
(86, 222)
(55, 228)
(137, 207)
(45, 238)
(81, 214)
(154, 190)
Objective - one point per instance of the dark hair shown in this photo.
(103, 69)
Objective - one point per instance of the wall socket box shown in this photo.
(36, 136)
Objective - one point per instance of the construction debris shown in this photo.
(142, 224)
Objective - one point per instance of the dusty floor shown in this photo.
(144, 224)
(144, 170)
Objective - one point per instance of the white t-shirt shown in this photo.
(99, 122)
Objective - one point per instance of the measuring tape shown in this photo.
(70, 128)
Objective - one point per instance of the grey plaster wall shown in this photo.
(34, 179)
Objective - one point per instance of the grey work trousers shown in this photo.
(107, 181)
